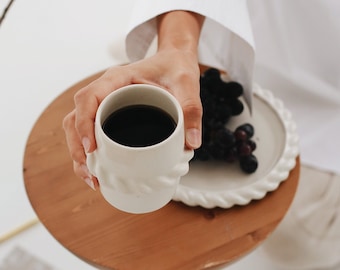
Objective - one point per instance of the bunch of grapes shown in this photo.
(220, 102)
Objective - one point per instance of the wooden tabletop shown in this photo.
(174, 237)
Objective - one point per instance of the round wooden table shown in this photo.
(174, 237)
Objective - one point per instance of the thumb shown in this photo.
(193, 125)
(192, 112)
(188, 94)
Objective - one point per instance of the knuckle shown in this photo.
(80, 96)
(187, 77)
(77, 169)
(193, 109)
(78, 156)
(68, 121)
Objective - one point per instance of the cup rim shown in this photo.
(161, 90)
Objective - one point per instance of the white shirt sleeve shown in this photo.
(226, 40)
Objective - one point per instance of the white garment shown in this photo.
(297, 57)
(308, 238)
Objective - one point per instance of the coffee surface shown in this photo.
(139, 125)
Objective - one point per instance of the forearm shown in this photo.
(179, 30)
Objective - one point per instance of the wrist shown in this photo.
(179, 30)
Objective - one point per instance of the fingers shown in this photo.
(73, 140)
(86, 107)
(82, 171)
(79, 124)
(88, 99)
(77, 151)
(187, 92)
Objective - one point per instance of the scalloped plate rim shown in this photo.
(254, 191)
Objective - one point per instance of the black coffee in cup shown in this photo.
(139, 125)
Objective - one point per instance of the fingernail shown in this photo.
(193, 137)
(86, 144)
(90, 183)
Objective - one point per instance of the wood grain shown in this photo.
(174, 237)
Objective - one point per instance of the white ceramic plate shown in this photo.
(214, 184)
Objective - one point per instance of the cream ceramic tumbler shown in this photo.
(140, 155)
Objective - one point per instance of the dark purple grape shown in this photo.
(212, 73)
(201, 154)
(240, 135)
(231, 155)
(204, 93)
(236, 107)
(220, 102)
(208, 107)
(211, 78)
(224, 137)
(248, 164)
(206, 135)
(244, 149)
(252, 144)
(216, 151)
(232, 90)
(223, 114)
(212, 123)
(247, 128)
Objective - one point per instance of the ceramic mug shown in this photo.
(139, 179)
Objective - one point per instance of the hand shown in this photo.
(174, 67)
(174, 70)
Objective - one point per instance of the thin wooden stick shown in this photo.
(18, 229)
(6, 10)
